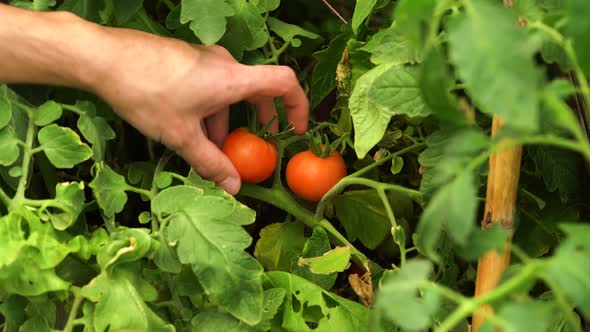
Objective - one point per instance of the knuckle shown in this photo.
(177, 139)
(287, 74)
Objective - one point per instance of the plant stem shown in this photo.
(5, 199)
(468, 306)
(355, 179)
(73, 109)
(74, 311)
(146, 193)
(347, 181)
(27, 155)
(278, 197)
(566, 45)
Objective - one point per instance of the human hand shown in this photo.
(179, 94)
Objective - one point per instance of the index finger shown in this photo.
(276, 81)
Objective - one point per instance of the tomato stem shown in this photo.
(74, 311)
(279, 197)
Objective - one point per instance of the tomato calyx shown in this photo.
(265, 132)
(321, 146)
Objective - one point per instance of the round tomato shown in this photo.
(254, 158)
(311, 177)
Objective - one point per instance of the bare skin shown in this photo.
(174, 92)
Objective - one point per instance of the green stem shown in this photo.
(74, 311)
(566, 45)
(5, 199)
(468, 306)
(27, 155)
(281, 199)
(354, 178)
(146, 193)
(278, 197)
(73, 109)
(347, 181)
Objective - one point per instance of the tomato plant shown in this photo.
(463, 125)
(253, 157)
(311, 176)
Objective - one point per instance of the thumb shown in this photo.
(210, 163)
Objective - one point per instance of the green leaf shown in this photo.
(97, 131)
(316, 245)
(273, 298)
(323, 79)
(63, 146)
(362, 10)
(288, 32)
(124, 10)
(163, 180)
(30, 252)
(570, 266)
(280, 245)
(481, 241)
(47, 113)
(212, 320)
(363, 216)
(397, 164)
(561, 170)
(125, 245)
(265, 6)
(166, 258)
(143, 22)
(12, 309)
(436, 83)
(5, 111)
(528, 9)
(392, 46)
(110, 293)
(307, 303)
(87, 9)
(499, 71)
(336, 260)
(67, 205)
(414, 19)
(9, 150)
(200, 223)
(526, 316)
(109, 190)
(399, 297)
(246, 29)
(207, 18)
(381, 93)
(579, 29)
(448, 153)
(453, 210)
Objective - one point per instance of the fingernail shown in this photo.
(231, 185)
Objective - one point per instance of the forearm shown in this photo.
(48, 48)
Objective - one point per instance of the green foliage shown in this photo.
(279, 246)
(488, 65)
(381, 93)
(105, 234)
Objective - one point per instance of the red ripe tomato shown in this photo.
(254, 158)
(311, 177)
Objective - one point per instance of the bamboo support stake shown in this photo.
(501, 193)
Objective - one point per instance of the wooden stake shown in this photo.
(500, 205)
